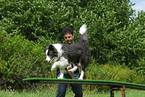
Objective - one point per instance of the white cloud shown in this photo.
(140, 5)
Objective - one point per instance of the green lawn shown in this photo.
(52, 93)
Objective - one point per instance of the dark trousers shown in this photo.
(77, 89)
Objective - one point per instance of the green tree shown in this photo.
(28, 25)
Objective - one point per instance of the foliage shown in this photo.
(113, 72)
(127, 45)
(35, 18)
(21, 58)
(40, 20)
(114, 36)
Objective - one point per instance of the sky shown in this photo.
(139, 5)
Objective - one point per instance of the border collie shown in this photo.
(62, 55)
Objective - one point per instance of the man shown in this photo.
(77, 89)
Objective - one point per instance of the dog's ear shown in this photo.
(45, 48)
(51, 47)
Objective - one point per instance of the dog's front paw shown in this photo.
(81, 78)
(53, 68)
(60, 77)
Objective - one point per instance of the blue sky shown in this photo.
(140, 5)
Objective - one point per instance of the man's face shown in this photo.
(68, 38)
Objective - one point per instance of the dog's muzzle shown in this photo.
(48, 59)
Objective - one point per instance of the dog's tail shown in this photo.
(83, 33)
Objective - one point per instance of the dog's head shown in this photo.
(53, 52)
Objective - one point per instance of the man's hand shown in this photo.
(68, 67)
(69, 72)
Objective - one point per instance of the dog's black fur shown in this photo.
(77, 53)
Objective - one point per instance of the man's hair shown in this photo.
(67, 30)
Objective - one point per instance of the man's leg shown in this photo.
(77, 90)
(61, 90)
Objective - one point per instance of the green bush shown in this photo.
(113, 72)
(127, 45)
(20, 58)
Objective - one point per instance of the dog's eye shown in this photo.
(55, 54)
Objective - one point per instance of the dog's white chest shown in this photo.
(62, 63)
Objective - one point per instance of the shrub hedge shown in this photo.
(115, 37)
(20, 58)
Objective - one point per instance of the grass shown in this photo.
(53, 91)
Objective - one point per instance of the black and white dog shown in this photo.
(62, 55)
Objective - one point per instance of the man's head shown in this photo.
(68, 35)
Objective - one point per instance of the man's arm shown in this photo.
(69, 72)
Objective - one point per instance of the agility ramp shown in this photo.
(114, 85)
